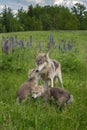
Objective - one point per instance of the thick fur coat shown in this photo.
(48, 69)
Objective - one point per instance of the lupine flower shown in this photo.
(3, 41)
(30, 40)
(6, 47)
(69, 46)
(51, 39)
(13, 42)
(64, 47)
(21, 43)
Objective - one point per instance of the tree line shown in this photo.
(44, 18)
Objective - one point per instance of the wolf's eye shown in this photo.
(39, 62)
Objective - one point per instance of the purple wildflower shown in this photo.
(30, 40)
(6, 47)
(13, 43)
(64, 47)
(21, 43)
(51, 39)
(69, 46)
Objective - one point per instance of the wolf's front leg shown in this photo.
(60, 78)
(46, 84)
(52, 85)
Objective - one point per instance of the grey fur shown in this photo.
(62, 96)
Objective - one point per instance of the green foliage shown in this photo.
(6, 62)
(71, 62)
(44, 18)
(79, 10)
(7, 19)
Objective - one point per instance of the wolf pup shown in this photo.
(60, 95)
(48, 69)
(27, 87)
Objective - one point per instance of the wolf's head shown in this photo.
(37, 91)
(33, 74)
(41, 58)
(42, 61)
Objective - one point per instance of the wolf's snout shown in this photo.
(37, 70)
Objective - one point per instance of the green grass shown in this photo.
(36, 114)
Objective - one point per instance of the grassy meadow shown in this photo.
(17, 55)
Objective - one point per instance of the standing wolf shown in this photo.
(48, 69)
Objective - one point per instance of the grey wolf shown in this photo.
(28, 86)
(60, 95)
(48, 69)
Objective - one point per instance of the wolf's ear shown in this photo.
(47, 54)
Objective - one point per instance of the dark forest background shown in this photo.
(44, 18)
